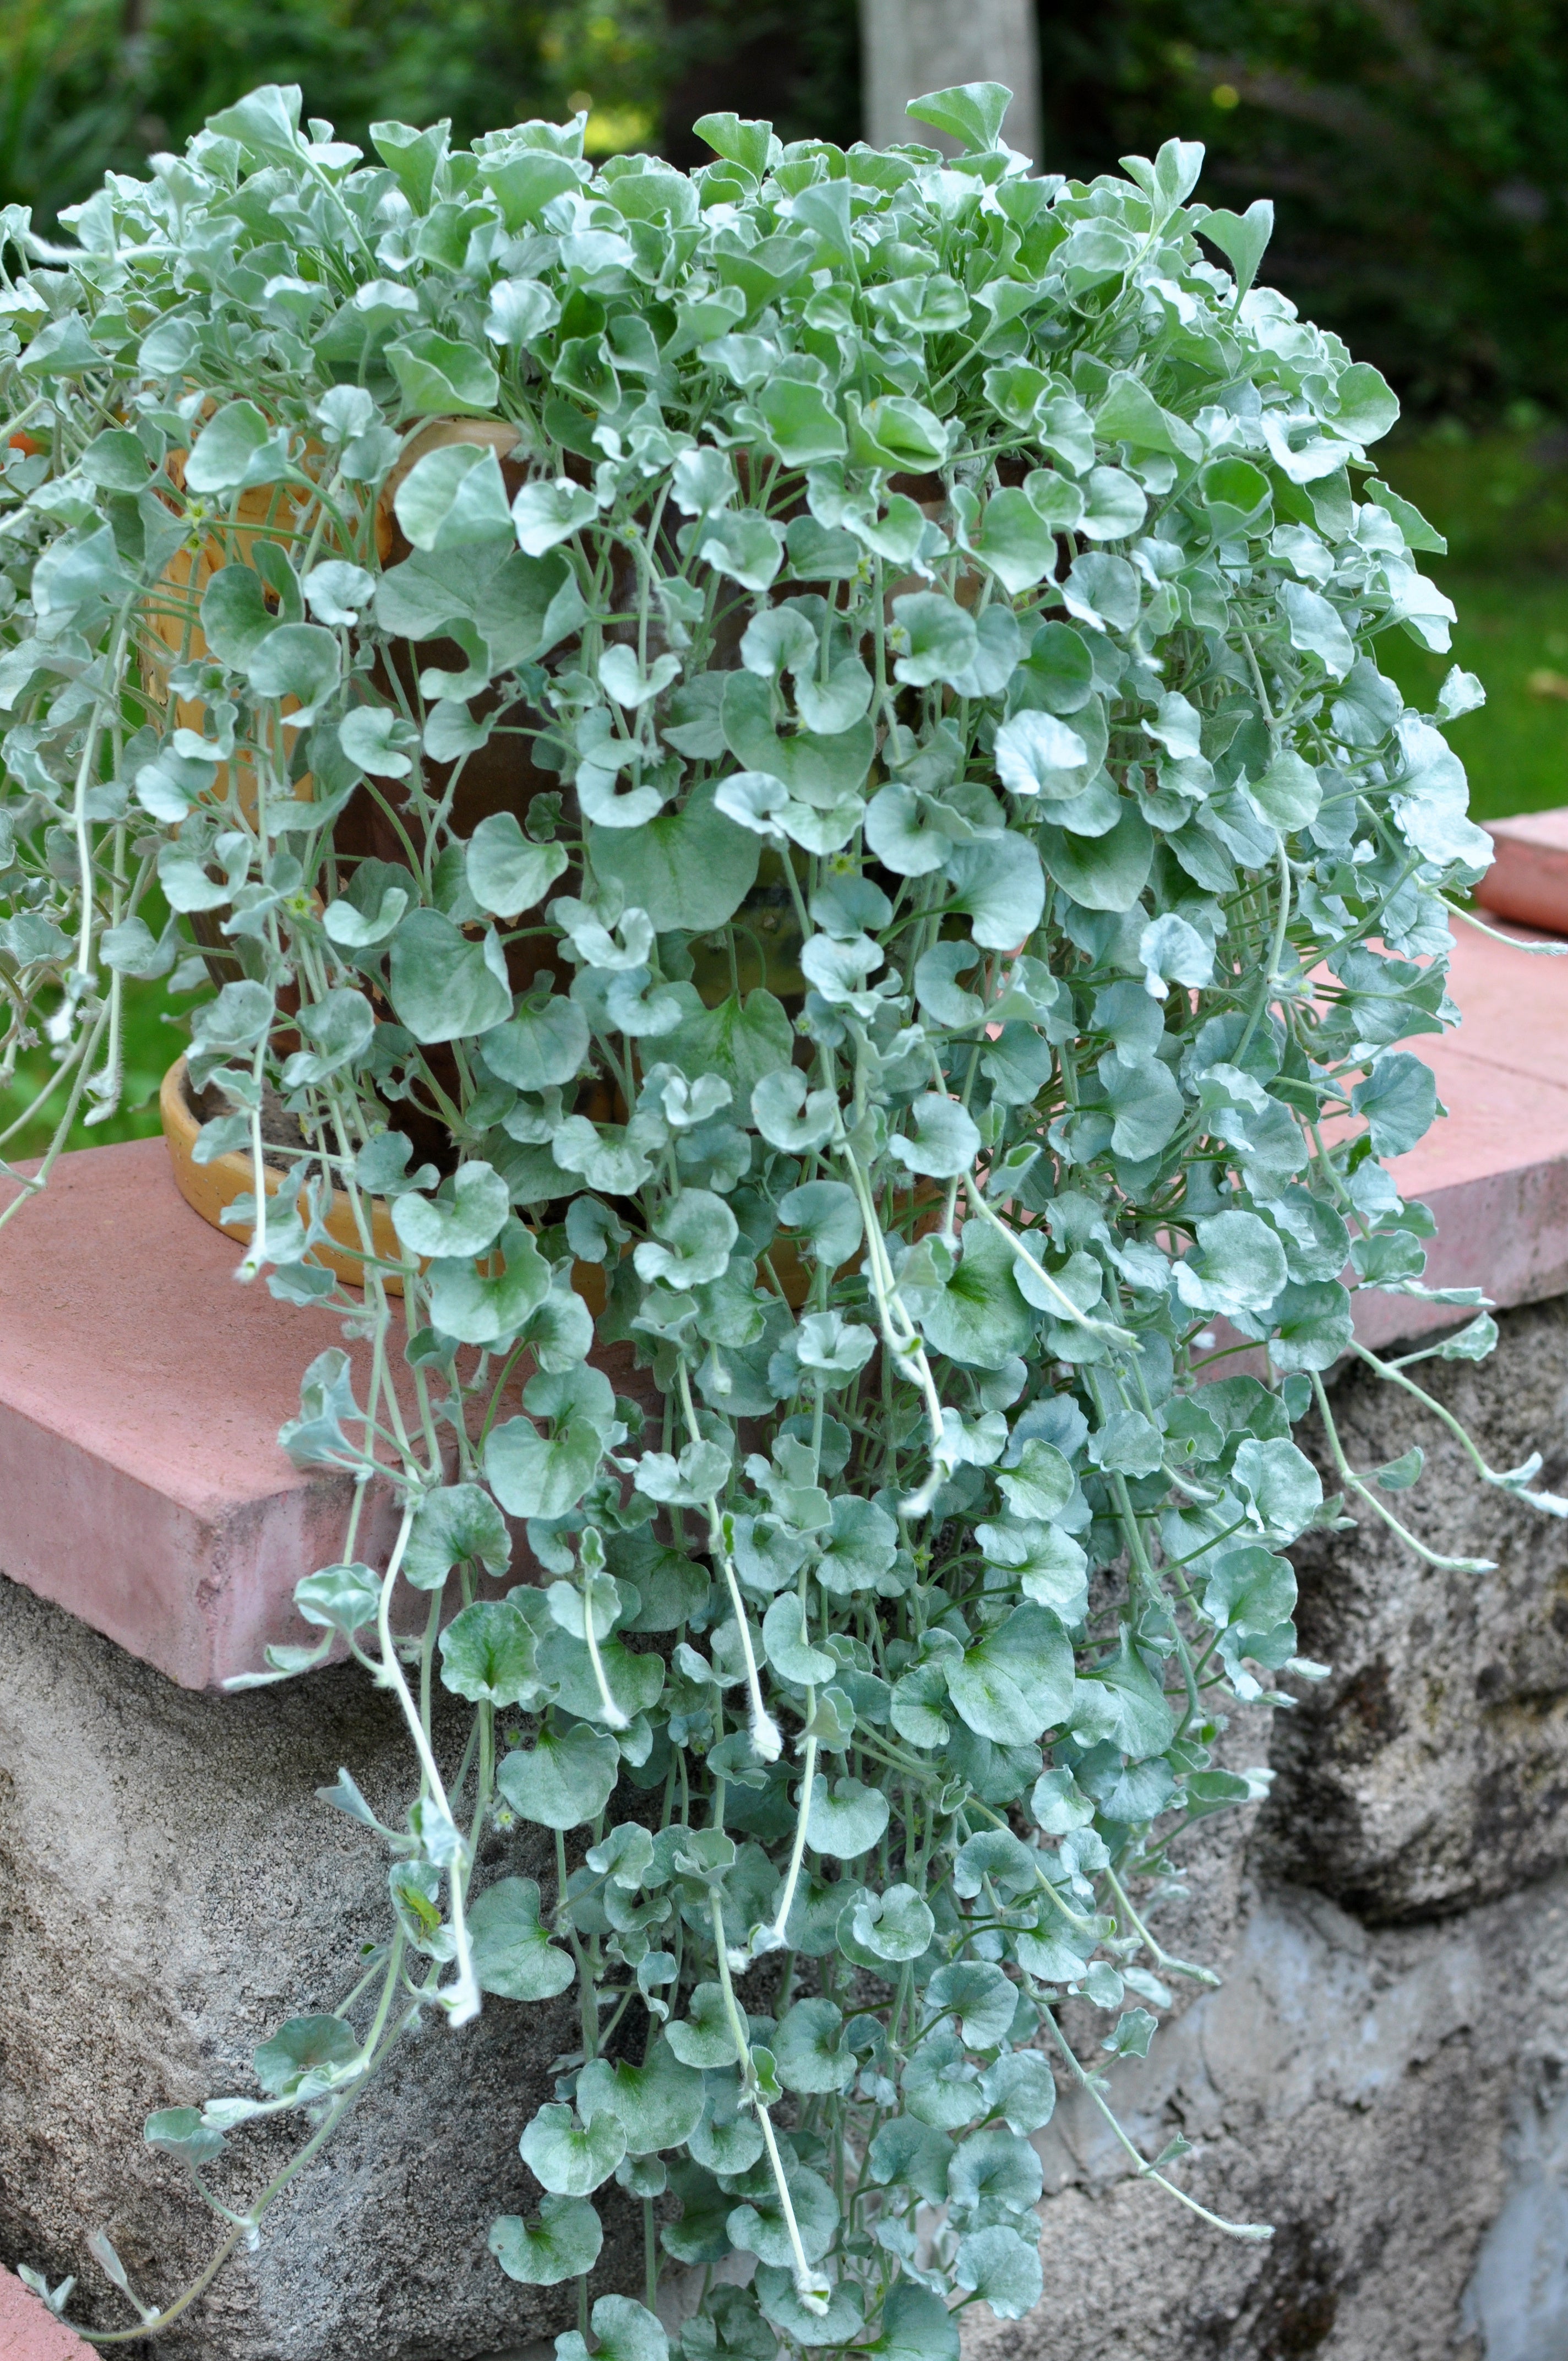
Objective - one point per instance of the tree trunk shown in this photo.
(911, 46)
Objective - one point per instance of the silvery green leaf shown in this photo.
(837, 2323)
(535, 1476)
(908, 2153)
(340, 1597)
(1316, 627)
(972, 114)
(514, 1956)
(696, 1229)
(747, 547)
(181, 2133)
(791, 1115)
(624, 677)
(543, 1045)
(341, 1027)
(691, 868)
(1141, 1721)
(995, 2169)
(300, 662)
(507, 872)
(808, 2049)
(460, 1521)
(789, 1651)
(1173, 952)
(237, 447)
(937, 988)
(687, 1481)
(441, 377)
(1103, 592)
(1038, 1481)
(703, 481)
(859, 1548)
(846, 1819)
(1399, 1100)
(633, 1682)
(488, 1655)
(827, 1213)
(1003, 2267)
(352, 929)
(658, 2105)
(1021, 2089)
(572, 2159)
(979, 1995)
(623, 2330)
(1282, 1484)
(563, 1780)
(1016, 543)
(946, 1141)
(1114, 506)
(466, 1219)
(1038, 755)
(545, 514)
(703, 2038)
(337, 592)
(236, 616)
(998, 886)
(1241, 238)
(562, 2244)
(443, 985)
(1238, 1265)
(306, 2057)
(520, 310)
(940, 2087)
(1288, 792)
(1135, 2030)
(758, 2226)
(976, 1315)
(896, 1925)
(938, 638)
(378, 741)
(1016, 1680)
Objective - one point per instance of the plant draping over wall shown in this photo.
(821, 872)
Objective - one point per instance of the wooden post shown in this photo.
(911, 46)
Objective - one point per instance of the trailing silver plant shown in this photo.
(822, 873)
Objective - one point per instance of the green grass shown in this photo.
(1501, 499)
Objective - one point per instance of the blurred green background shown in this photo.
(1413, 150)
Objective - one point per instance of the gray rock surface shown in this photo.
(170, 1892)
(1383, 2075)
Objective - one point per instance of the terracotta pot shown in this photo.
(211, 1189)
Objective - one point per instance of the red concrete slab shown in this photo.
(1495, 1170)
(141, 1392)
(29, 2330)
(1528, 881)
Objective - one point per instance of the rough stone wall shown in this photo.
(170, 1892)
(1383, 2074)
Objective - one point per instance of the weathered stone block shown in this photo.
(170, 1892)
(1431, 1772)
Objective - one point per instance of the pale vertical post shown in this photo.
(912, 46)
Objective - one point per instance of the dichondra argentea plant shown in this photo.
(775, 794)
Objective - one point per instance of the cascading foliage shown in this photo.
(842, 863)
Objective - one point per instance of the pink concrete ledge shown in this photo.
(29, 2330)
(141, 1392)
(1495, 1170)
(1528, 881)
(142, 1388)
